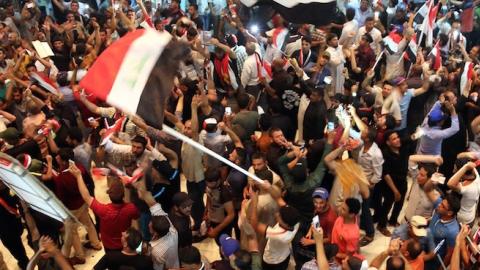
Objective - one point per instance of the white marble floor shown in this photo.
(208, 247)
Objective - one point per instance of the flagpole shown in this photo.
(378, 59)
(209, 152)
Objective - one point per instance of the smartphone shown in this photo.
(30, 5)
(316, 222)
(330, 126)
(327, 79)
(116, 6)
(228, 110)
(71, 162)
(376, 15)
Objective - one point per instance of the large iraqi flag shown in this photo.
(317, 12)
(135, 73)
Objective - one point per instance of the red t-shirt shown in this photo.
(66, 189)
(346, 236)
(327, 220)
(114, 219)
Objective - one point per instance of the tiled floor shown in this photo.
(208, 247)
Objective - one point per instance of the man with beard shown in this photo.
(180, 218)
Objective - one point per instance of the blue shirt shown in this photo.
(319, 78)
(431, 141)
(426, 242)
(404, 104)
(443, 230)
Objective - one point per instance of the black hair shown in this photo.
(265, 122)
(350, 14)
(454, 202)
(160, 225)
(259, 155)
(428, 167)
(243, 100)
(189, 255)
(289, 215)
(353, 206)
(414, 249)
(371, 133)
(265, 174)
(195, 6)
(369, 19)
(66, 154)
(192, 32)
(307, 39)
(331, 36)
(212, 175)
(390, 121)
(134, 238)
(140, 139)
(75, 133)
(388, 133)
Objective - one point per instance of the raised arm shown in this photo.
(82, 188)
(194, 120)
(358, 122)
(252, 215)
(426, 159)
(224, 47)
(322, 262)
(236, 140)
(47, 245)
(59, 4)
(469, 155)
(454, 182)
(425, 85)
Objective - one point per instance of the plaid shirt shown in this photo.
(241, 54)
(164, 251)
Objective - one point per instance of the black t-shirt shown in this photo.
(273, 154)
(314, 121)
(199, 22)
(29, 147)
(115, 260)
(184, 229)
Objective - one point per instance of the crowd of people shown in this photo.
(344, 132)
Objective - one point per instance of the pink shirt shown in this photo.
(346, 236)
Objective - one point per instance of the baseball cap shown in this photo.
(181, 198)
(436, 115)
(419, 225)
(320, 193)
(399, 80)
(228, 245)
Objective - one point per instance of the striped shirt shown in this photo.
(164, 251)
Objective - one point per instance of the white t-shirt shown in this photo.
(278, 244)
(469, 201)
